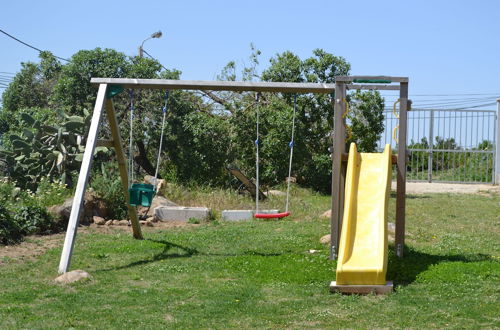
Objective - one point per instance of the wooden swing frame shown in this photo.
(104, 101)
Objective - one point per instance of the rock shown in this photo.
(292, 179)
(149, 224)
(123, 222)
(156, 202)
(325, 239)
(92, 206)
(152, 219)
(327, 214)
(160, 183)
(275, 193)
(98, 220)
(143, 222)
(115, 222)
(109, 223)
(391, 227)
(100, 209)
(72, 276)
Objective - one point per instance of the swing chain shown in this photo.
(165, 110)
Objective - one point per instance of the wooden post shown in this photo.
(338, 175)
(496, 179)
(120, 157)
(401, 170)
(77, 207)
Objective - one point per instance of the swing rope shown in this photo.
(131, 141)
(257, 192)
(167, 93)
(257, 160)
(291, 145)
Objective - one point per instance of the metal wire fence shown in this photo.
(447, 145)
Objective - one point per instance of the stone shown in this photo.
(123, 223)
(100, 209)
(181, 213)
(115, 222)
(72, 276)
(160, 183)
(327, 214)
(325, 239)
(391, 227)
(275, 193)
(109, 223)
(156, 202)
(98, 220)
(237, 215)
(152, 219)
(142, 222)
(149, 224)
(92, 206)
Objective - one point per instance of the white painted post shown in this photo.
(497, 145)
(76, 209)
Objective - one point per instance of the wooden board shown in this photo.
(120, 157)
(77, 207)
(362, 289)
(237, 86)
(351, 78)
(401, 171)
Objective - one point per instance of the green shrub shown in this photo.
(107, 185)
(51, 193)
(33, 220)
(10, 232)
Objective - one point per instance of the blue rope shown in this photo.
(167, 94)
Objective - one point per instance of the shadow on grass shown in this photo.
(188, 252)
(411, 196)
(404, 271)
(167, 246)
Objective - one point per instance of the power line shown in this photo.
(30, 46)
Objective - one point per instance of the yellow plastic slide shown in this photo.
(363, 242)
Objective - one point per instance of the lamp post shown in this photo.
(154, 35)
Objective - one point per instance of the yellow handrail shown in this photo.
(344, 115)
(396, 114)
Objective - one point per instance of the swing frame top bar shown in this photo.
(242, 86)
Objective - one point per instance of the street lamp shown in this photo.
(154, 35)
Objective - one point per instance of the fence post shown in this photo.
(497, 145)
(431, 146)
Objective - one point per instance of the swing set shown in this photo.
(142, 194)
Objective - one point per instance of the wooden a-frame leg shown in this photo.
(120, 156)
(77, 208)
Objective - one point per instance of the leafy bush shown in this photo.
(107, 185)
(33, 220)
(10, 232)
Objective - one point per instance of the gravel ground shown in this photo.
(426, 188)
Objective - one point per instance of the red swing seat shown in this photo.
(271, 215)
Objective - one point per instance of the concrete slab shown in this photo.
(237, 215)
(240, 215)
(180, 213)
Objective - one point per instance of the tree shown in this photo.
(32, 86)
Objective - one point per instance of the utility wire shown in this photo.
(30, 46)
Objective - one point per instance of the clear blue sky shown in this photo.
(445, 47)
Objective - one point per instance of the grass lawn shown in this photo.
(261, 274)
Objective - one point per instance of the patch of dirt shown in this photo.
(419, 188)
(33, 246)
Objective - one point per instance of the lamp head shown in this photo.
(156, 34)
